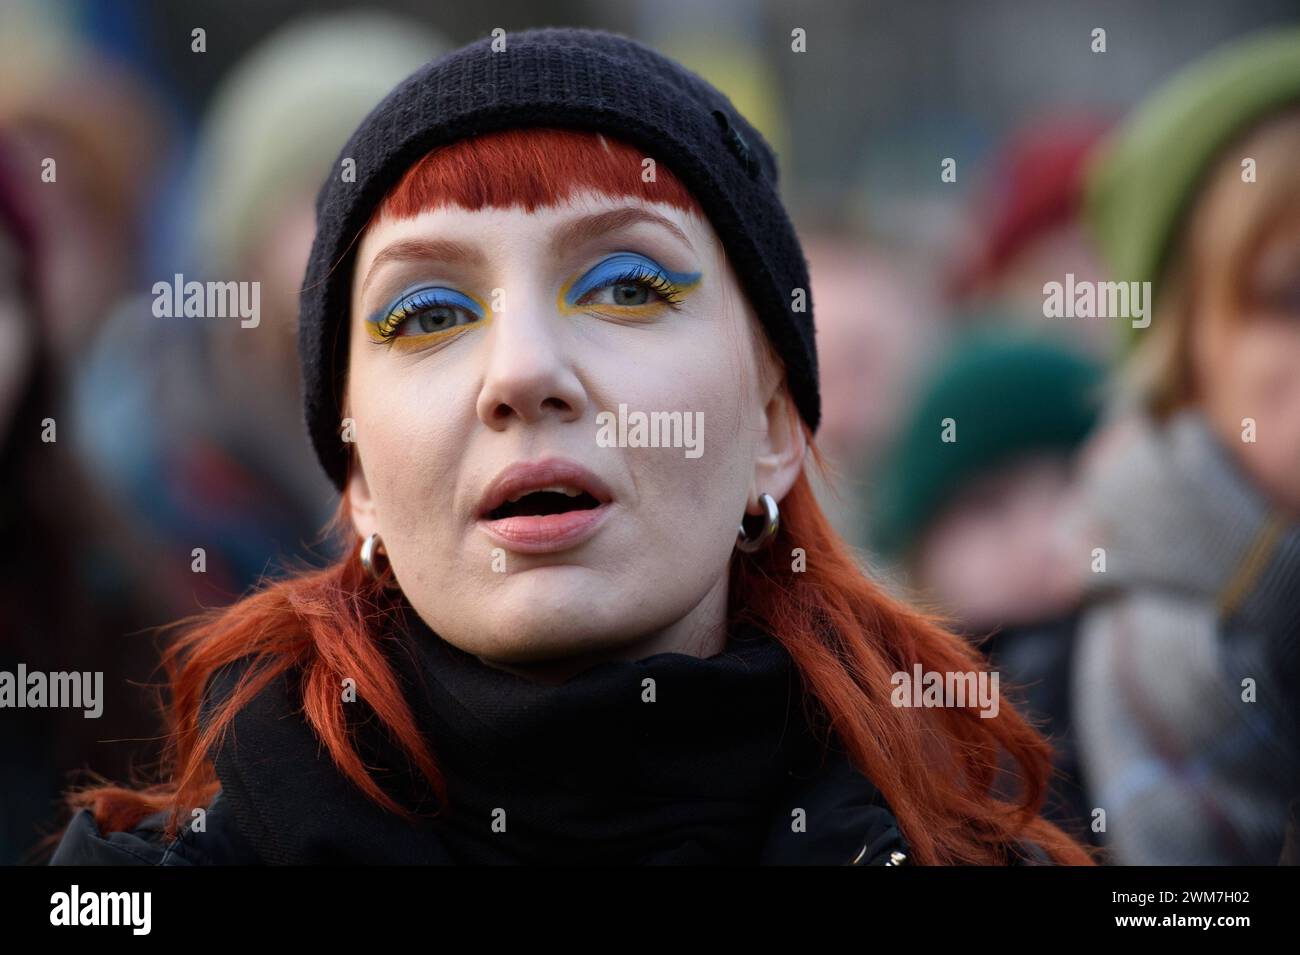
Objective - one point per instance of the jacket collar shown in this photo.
(720, 766)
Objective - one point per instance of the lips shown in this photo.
(544, 506)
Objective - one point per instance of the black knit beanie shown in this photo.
(574, 79)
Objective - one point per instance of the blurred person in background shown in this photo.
(78, 582)
(1184, 694)
(88, 140)
(977, 505)
(1023, 228)
(223, 462)
(875, 326)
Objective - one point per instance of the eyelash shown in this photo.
(412, 307)
(648, 278)
(415, 304)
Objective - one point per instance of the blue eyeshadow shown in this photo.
(618, 266)
(424, 297)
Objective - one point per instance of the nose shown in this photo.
(530, 372)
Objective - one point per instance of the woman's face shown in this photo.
(1001, 552)
(491, 352)
(1247, 353)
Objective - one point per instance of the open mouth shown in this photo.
(545, 502)
(544, 507)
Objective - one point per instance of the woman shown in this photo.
(1185, 672)
(556, 345)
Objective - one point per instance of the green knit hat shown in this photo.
(1147, 172)
(1008, 394)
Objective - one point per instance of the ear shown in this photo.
(781, 449)
(361, 504)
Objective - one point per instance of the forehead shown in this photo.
(584, 217)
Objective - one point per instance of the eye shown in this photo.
(427, 312)
(630, 292)
(434, 318)
(1289, 297)
(630, 280)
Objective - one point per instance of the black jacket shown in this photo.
(865, 834)
(717, 767)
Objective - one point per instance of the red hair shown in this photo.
(531, 168)
(937, 768)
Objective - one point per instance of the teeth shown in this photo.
(557, 488)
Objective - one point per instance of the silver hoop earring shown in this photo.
(771, 521)
(369, 550)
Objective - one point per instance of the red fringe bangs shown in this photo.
(532, 168)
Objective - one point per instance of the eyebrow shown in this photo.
(586, 228)
(574, 232)
(423, 250)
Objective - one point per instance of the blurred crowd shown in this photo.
(1110, 509)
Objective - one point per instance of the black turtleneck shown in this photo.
(671, 759)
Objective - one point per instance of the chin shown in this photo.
(535, 641)
(541, 619)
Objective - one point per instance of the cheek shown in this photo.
(685, 494)
(403, 427)
(1257, 372)
(954, 565)
(694, 361)
(1255, 378)
(962, 545)
(1271, 355)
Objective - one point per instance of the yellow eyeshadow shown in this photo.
(417, 341)
(384, 331)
